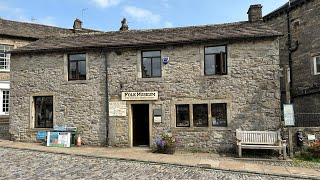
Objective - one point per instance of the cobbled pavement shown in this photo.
(26, 164)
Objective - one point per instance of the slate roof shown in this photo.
(31, 30)
(153, 37)
(282, 9)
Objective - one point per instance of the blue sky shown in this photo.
(141, 14)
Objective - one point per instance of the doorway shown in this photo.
(140, 122)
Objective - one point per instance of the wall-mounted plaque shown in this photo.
(117, 108)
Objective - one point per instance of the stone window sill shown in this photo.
(199, 129)
(217, 76)
(40, 129)
(150, 79)
(76, 82)
(4, 70)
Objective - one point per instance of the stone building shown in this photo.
(14, 35)
(124, 88)
(304, 18)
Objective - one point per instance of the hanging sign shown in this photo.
(139, 96)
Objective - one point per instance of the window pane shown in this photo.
(77, 57)
(216, 50)
(182, 115)
(146, 67)
(151, 54)
(156, 67)
(82, 70)
(318, 64)
(73, 70)
(200, 115)
(43, 111)
(219, 114)
(210, 64)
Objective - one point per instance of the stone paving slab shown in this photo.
(185, 159)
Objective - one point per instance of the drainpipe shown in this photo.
(290, 51)
(105, 52)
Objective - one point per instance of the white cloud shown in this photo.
(106, 3)
(142, 15)
(49, 20)
(168, 24)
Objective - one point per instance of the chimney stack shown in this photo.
(124, 25)
(255, 13)
(77, 25)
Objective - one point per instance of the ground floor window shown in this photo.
(43, 108)
(4, 97)
(202, 115)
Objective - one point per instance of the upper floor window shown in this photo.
(316, 63)
(5, 57)
(215, 60)
(77, 66)
(151, 64)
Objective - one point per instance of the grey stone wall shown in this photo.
(252, 87)
(5, 76)
(305, 21)
(79, 104)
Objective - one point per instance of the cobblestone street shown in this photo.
(25, 164)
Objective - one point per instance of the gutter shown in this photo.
(105, 52)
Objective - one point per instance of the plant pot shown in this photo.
(166, 149)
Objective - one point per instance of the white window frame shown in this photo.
(316, 71)
(6, 58)
(4, 86)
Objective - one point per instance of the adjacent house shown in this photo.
(304, 21)
(124, 88)
(13, 35)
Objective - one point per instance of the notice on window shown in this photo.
(288, 115)
(117, 108)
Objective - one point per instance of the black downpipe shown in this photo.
(105, 52)
(290, 52)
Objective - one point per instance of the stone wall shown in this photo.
(251, 88)
(305, 20)
(5, 76)
(79, 104)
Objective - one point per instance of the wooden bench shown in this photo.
(260, 140)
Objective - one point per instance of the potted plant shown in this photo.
(314, 148)
(166, 144)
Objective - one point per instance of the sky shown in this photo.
(106, 15)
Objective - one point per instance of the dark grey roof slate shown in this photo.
(134, 38)
(31, 30)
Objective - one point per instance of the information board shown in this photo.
(288, 115)
(58, 139)
(117, 108)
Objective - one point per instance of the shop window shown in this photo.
(200, 115)
(219, 114)
(43, 106)
(215, 60)
(5, 57)
(316, 63)
(182, 115)
(77, 67)
(151, 64)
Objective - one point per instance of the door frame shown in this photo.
(130, 119)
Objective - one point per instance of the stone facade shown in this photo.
(5, 76)
(251, 90)
(305, 20)
(79, 103)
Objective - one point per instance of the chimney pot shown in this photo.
(255, 13)
(77, 25)
(124, 25)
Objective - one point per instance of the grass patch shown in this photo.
(306, 156)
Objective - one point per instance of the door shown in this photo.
(140, 121)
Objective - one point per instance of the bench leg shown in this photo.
(239, 151)
(284, 152)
